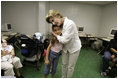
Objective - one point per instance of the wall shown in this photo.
(108, 19)
(22, 15)
(85, 15)
(28, 17)
(43, 26)
(41, 17)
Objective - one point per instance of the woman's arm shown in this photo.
(67, 36)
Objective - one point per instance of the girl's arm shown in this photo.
(47, 53)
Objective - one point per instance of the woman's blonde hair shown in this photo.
(51, 14)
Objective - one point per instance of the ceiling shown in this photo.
(99, 2)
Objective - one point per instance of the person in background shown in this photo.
(110, 55)
(52, 54)
(8, 57)
(8, 65)
(69, 39)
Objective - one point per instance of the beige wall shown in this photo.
(22, 15)
(85, 15)
(29, 17)
(108, 19)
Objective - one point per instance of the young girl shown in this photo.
(53, 50)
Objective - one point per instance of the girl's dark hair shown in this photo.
(56, 26)
(53, 39)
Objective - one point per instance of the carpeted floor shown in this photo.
(88, 65)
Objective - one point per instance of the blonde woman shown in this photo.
(69, 39)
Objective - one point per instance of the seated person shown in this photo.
(8, 56)
(9, 60)
(110, 55)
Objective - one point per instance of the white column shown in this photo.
(43, 26)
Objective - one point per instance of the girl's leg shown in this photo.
(54, 65)
(47, 68)
(52, 75)
(45, 76)
(46, 71)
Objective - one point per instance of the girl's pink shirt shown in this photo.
(57, 47)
